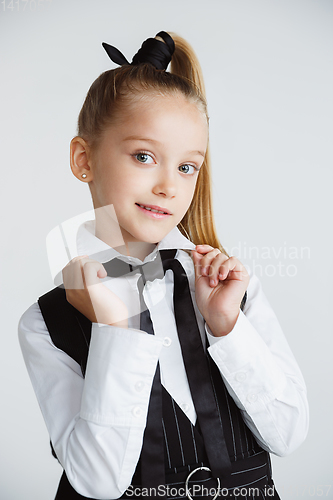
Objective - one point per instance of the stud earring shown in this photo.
(84, 176)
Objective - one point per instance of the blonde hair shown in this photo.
(115, 89)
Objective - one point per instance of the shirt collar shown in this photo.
(89, 244)
(76, 237)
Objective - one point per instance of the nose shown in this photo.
(165, 184)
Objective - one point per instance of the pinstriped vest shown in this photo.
(70, 331)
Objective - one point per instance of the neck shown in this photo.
(138, 249)
(108, 230)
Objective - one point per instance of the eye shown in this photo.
(187, 169)
(143, 157)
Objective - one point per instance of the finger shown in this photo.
(72, 273)
(76, 259)
(232, 269)
(101, 273)
(196, 257)
(92, 270)
(196, 261)
(74, 262)
(203, 248)
(207, 261)
(214, 268)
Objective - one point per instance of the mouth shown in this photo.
(154, 210)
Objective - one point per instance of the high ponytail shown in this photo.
(185, 63)
(115, 89)
(198, 223)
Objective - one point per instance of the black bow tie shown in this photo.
(149, 270)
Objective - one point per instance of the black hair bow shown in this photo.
(152, 51)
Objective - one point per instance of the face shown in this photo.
(146, 166)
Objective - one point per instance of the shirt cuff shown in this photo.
(120, 370)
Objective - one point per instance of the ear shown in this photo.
(80, 159)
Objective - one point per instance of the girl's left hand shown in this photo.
(220, 284)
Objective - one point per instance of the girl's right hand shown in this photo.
(87, 294)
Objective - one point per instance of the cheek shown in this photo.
(189, 192)
(134, 185)
(185, 199)
(126, 191)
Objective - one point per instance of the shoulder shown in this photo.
(40, 353)
(260, 314)
(254, 289)
(54, 321)
(32, 321)
(33, 327)
(32, 330)
(256, 298)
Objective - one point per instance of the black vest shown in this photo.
(70, 331)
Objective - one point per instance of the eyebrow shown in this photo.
(138, 138)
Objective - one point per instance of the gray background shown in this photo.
(269, 78)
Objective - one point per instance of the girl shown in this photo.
(159, 366)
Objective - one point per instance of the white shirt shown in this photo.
(96, 423)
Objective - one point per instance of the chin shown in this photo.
(152, 237)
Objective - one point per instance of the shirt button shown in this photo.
(137, 412)
(185, 407)
(139, 386)
(241, 376)
(167, 341)
(252, 398)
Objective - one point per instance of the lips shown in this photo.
(154, 209)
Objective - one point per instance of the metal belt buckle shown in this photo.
(187, 490)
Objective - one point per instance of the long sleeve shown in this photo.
(262, 376)
(96, 424)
